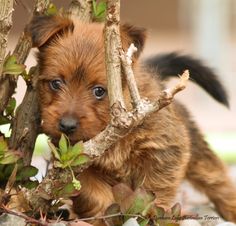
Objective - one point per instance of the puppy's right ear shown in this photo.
(43, 28)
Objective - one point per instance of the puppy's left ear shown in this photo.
(44, 28)
(135, 35)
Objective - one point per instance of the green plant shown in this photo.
(99, 10)
(67, 156)
(140, 204)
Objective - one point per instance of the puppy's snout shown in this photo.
(68, 125)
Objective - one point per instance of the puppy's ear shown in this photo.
(43, 28)
(135, 35)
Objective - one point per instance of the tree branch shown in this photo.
(25, 126)
(82, 9)
(5, 26)
(112, 49)
(127, 66)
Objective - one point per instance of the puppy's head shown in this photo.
(72, 77)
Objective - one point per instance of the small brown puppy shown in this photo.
(160, 153)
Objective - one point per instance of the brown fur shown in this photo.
(158, 155)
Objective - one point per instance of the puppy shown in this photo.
(160, 153)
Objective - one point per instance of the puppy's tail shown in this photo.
(173, 64)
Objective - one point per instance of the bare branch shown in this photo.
(28, 219)
(112, 49)
(123, 122)
(127, 66)
(25, 127)
(82, 9)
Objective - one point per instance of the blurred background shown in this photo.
(205, 29)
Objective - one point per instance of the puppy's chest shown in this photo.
(124, 159)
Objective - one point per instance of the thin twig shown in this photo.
(110, 216)
(28, 219)
(129, 74)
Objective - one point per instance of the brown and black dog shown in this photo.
(160, 153)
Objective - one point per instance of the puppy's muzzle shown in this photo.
(68, 125)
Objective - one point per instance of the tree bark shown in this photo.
(25, 126)
(112, 49)
(81, 9)
(5, 26)
(6, 10)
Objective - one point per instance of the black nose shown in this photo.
(68, 125)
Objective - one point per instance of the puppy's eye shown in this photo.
(56, 84)
(99, 92)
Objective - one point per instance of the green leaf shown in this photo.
(9, 158)
(94, 4)
(12, 67)
(63, 144)
(77, 149)
(67, 191)
(80, 160)
(99, 10)
(54, 150)
(73, 152)
(141, 201)
(11, 106)
(51, 10)
(26, 172)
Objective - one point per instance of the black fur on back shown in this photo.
(173, 64)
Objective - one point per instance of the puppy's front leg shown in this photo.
(95, 196)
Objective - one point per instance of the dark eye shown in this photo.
(99, 92)
(56, 84)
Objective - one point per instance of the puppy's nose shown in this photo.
(68, 125)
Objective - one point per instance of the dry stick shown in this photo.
(28, 219)
(127, 66)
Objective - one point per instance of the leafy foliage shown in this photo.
(11, 66)
(99, 10)
(141, 204)
(6, 156)
(68, 156)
